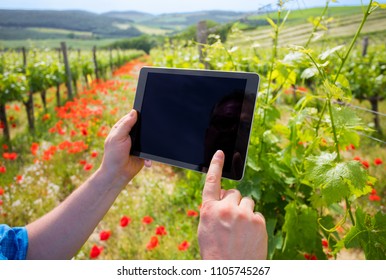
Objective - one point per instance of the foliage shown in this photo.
(144, 42)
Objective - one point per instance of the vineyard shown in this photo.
(316, 162)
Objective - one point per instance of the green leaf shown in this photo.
(329, 52)
(301, 232)
(336, 180)
(368, 233)
(309, 73)
(347, 123)
(272, 23)
(275, 241)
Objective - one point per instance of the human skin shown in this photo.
(229, 228)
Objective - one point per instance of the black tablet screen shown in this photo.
(188, 118)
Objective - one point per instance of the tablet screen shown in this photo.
(185, 118)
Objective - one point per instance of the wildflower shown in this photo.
(94, 154)
(184, 246)
(10, 156)
(365, 163)
(310, 257)
(84, 132)
(82, 162)
(325, 243)
(357, 158)
(95, 251)
(2, 191)
(104, 235)
(125, 221)
(1, 202)
(46, 117)
(147, 220)
(87, 167)
(19, 178)
(34, 148)
(5, 147)
(3, 169)
(153, 243)
(378, 161)
(373, 196)
(350, 147)
(160, 230)
(192, 213)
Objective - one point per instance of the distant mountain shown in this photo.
(182, 20)
(130, 15)
(97, 25)
(47, 24)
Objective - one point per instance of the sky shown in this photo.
(160, 6)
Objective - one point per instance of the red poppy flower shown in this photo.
(365, 163)
(10, 156)
(46, 117)
(94, 154)
(1, 191)
(184, 246)
(153, 243)
(350, 147)
(5, 147)
(3, 169)
(325, 243)
(310, 257)
(95, 251)
(34, 148)
(192, 213)
(87, 167)
(378, 161)
(160, 230)
(373, 196)
(125, 221)
(19, 178)
(82, 161)
(1, 202)
(357, 158)
(84, 132)
(147, 220)
(104, 235)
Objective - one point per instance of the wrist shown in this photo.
(111, 178)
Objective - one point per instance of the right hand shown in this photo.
(228, 228)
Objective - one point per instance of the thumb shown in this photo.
(124, 125)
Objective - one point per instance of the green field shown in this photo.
(342, 25)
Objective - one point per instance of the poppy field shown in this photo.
(316, 164)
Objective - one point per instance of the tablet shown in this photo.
(186, 115)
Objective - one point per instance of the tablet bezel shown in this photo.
(252, 84)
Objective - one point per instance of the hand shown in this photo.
(117, 161)
(228, 228)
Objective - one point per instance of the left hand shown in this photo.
(117, 161)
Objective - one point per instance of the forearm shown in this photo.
(63, 231)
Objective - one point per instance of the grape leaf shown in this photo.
(336, 180)
(369, 233)
(301, 233)
(346, 124)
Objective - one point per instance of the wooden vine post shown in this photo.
(68, 70)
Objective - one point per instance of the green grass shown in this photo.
(297, 29)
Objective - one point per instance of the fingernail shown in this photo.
(219, 155)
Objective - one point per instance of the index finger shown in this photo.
(212, 188)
